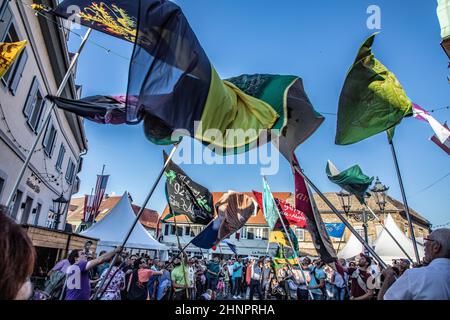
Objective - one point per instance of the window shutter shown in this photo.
(27, 110)
(5, 18)
(18, 72)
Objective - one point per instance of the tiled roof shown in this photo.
(149, 218)
(392, 206)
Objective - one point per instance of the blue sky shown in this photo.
(317, 41)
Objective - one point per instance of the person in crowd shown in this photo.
(137, 286)
(180, 280)
(267, 275)
(431, 282)
(256, 276)
(340, 282)
(329, 284)
(127, 268)
(77, 284)
(164, 283)
(200, 278)
(17, 257)
(302, 283)
(192, 271)
(212, 273)
(285, 276)
(208, 295)
(399, 266)
(317, 283)
(230, 268)
(115, 280)
(104, 266)
(359, 278)
(237, 278)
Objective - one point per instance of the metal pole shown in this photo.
(46, 119)
(389, 233)
(405, 202)
(340, 216)
(183, 260)
(292, 246)
(138, 215)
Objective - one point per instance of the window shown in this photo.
(8, 33)
(166, 229)
(37, 213)
(261, 233)
(49, 140)
(62, 152)
(179, 231)
(244, 233)
(187, 230)
(70, 171)
(250, 233)
(300, 234)
(34, 106)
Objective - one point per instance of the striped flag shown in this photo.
(88, 203)
(443, 145)
(100, 188)
(441, 132)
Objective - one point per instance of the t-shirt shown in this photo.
(179, 278)
(144, 275)
(78, 286)
(61, 266)
(320, 275)
(213, 267)
(237, 270)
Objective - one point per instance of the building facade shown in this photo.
(149, 218)
(252, 239)
(36, 73)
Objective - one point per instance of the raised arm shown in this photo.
(103, 258)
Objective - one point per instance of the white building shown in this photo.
(37, 72)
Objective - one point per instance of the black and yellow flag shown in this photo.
(9, 52)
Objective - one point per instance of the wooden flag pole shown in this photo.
(292, 246)
(340, 216)
(138, 215)
(405, 202)
(47, 118)
(389, 233)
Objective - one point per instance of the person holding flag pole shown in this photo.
(96, 295)
(183, 257)
(274, 207)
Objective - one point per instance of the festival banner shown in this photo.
(186, 197)
(335, 230)
(100, 189)
(372, 99)
(352, 180)
(292, 216)
(9, 52)
(88, 205)
(444, 146)
(304, 202)
(233, 211)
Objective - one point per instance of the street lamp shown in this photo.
(59, 205)
(379, 190)
(346, 200)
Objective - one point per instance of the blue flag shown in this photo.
(269, 207)
(232, 246)
(335, 230)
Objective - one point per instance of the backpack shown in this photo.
(55, 285)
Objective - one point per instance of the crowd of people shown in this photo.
(120, 275)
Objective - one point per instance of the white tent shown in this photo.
(112, 229)
(352, 248)
(388, 250)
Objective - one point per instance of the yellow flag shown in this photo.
(278, 237)
(9, 53)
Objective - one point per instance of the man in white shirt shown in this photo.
(426, 283)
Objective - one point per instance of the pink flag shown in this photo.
(444, 146)
(442, 132)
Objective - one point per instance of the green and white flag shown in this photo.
(352, 180)
(372, 99)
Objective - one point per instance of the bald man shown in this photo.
(427, 283)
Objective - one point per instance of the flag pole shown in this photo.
(183, 260)
(46, 119)
(389, 233)
(405, 202)
(138, 215)
(292, 245)
(340, 216)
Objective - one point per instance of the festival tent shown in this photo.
(388, 250)
(113, 228)
(352, 248)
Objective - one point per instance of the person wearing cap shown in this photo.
(431, 282)
(238, 268)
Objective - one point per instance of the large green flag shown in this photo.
(372, 99)
(352, 180)
(270, 209)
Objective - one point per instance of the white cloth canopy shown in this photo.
(388, 250)
(443, 12)
(352, 248)
(112, 229)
